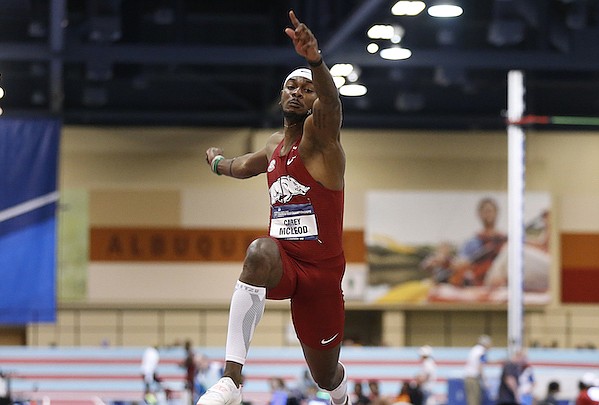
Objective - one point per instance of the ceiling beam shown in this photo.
(202, 55)
(358, 19)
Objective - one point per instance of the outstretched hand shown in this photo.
(211, 153)
(304, 41)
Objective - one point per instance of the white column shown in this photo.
(516, 188)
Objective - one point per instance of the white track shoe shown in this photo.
(224, 392)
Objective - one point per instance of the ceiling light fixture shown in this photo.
(445, 10)
(410, 8)
(395, 53)
(381, 31)
(341, 69)
(339, 81)
(353, 76)
(398, 33)
(372, 48)
(353, 90)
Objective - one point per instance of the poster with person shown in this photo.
(452, 246)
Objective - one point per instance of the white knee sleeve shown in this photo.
(247, 307)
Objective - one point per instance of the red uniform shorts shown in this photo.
(317, 305)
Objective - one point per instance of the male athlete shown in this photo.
(303, 258)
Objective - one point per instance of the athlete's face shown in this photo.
(298, 96)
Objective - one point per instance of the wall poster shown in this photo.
(452, 247)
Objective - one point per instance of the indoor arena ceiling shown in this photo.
(221, 63)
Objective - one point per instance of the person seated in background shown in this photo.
(403, 397)
(358, 397)
(278, 390)
(375, 395)
(587, 381)
(553, 389)
(416, 394)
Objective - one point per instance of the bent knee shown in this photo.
(262, 262)
(262, 251)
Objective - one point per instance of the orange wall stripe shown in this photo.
(190, 245)
(580, 250)
(580, 267)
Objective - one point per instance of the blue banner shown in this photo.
(28, 204)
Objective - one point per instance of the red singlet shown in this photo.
(306, 221)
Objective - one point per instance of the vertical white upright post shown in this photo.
(516, 187)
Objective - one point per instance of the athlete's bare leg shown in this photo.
(324, 366)
(328, 373)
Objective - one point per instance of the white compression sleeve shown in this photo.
(247, 307)
(339, 394)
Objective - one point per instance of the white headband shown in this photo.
(299, 72)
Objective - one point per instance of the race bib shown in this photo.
(294, 222)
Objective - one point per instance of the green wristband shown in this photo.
(215, 162)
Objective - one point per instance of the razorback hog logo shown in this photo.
(285, 188)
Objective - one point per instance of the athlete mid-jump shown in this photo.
(302, 258)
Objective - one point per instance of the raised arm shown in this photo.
(325, 121)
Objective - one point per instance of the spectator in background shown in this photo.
(208, 372)
(279, 392)
(358, 397)
(593, 392)
(403, 397)
(587, 381)
(553, 389)
(508, 393)
(473, 373)
(149, 371)
(5, 396)
(428, 374)
(416, 395)
(189, 363)
(526, 382)
(299, 390)
(375, 395)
